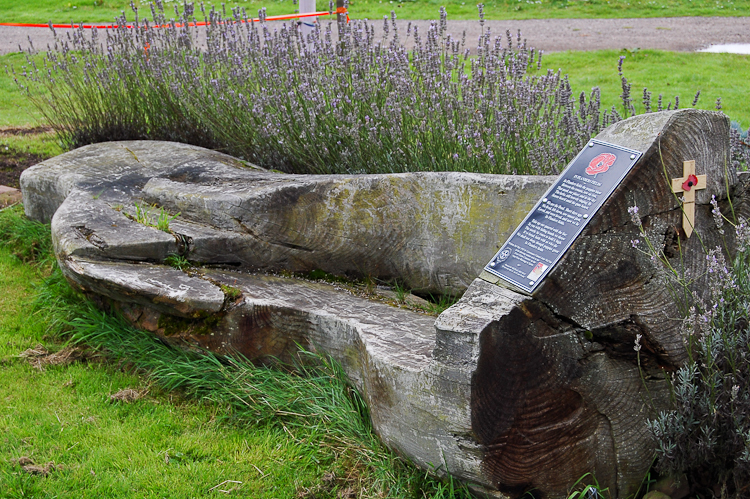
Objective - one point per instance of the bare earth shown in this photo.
(682, 34)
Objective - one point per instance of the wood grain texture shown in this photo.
(557, 391)
(509, 392)
(432, 231)
(603, 279)
(549, 404)
(419, 405)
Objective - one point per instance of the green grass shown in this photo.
(153, 447)
(668, 73)
(44, 144)
(15, 109)
(205, 420)
(28, 241)
(65, 11)
(159, 446)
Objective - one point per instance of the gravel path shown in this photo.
(684, 34)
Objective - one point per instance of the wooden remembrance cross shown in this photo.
(687, 185)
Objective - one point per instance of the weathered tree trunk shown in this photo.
(508, 391)
(557, 391)
(431, 231)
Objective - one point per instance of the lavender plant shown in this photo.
(329, 102)
(706, 433)
(342, 102)
(739, 147)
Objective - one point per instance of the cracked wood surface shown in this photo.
(432, 231)
(557, 392)
(506, 391)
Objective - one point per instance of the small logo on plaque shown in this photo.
(503, 255)
(601, 163)
(536, 272)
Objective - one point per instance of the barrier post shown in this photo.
(341, 23)
(307, 6)
(341, 15)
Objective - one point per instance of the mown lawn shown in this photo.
(669, 73)
(161, 445)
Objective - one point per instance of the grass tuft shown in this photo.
(311, 401)
(143, 215)
(178, 261)
(28, 240)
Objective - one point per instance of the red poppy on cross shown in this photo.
(687, 185)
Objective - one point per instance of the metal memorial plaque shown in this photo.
(560, 216)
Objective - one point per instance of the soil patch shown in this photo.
(35, 469)
(13, 163)
(25, 131)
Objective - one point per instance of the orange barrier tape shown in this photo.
(340, 10)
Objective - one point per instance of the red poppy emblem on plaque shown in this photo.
(601, 163)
